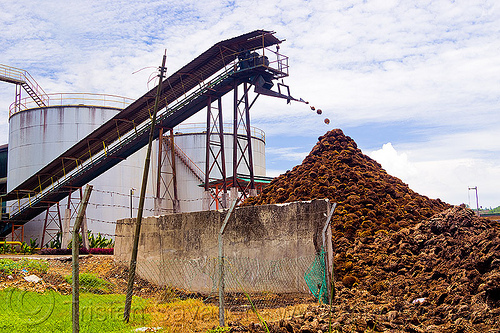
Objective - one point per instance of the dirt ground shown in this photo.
(104, 267)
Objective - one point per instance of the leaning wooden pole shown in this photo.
(75, 283)
(133, 259)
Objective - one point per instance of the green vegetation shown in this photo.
(95, 241)
(495, 210)
(4, 248)
(30, 312)
(219, 330)
(29, 249)
(99, 241)
(91, 283)
(55, 243)
(24, 248)
(9, 266)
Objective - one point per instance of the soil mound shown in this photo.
(368, 198)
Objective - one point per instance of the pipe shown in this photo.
(11, 242)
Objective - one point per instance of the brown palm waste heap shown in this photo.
(402, 262)
(368, 198)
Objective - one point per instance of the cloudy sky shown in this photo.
(415, 83)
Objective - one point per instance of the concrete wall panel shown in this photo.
(268, 248)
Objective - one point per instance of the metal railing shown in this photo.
(73, 99)
(12, 74)
(195, 128)
(273, 61)
(23, 78)
(37, 194)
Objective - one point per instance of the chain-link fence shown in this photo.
(171, 292)
(35, 295)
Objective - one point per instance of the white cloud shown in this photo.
(274, 172)
(446, 177)
(287, 153)
(393, 162)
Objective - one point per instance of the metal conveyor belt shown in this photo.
(184, 93)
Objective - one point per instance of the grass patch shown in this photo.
(193, 316)
(9, 266)
(91, 283)
(30, 312)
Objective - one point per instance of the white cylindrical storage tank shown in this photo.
(191, 140)
(39, 135)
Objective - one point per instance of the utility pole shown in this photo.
(133, 259)
(75, 276)
(477, 201)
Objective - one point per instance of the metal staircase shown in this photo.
(195, 170)
(113, 153)
(26, 81)
(32, 92)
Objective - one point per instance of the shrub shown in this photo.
(108, 251)
(49, 251)
(7, 266)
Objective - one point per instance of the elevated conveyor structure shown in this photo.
(211, 75)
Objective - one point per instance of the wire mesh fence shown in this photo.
(171, 295)
(176, 289)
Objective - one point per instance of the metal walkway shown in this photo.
(212, 74)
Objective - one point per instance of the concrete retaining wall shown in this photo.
(267, 248)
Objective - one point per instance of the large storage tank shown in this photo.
(3, 173)
(39, 135)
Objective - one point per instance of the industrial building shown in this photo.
(60, 142)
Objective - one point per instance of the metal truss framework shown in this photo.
(215, 158)
(242, 154)
(242, 149)
(52, 224)
(166, 178)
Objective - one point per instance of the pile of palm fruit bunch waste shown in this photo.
(402, 262)
(368, 198)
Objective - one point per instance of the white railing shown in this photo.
(198, 128)
(73, 99)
